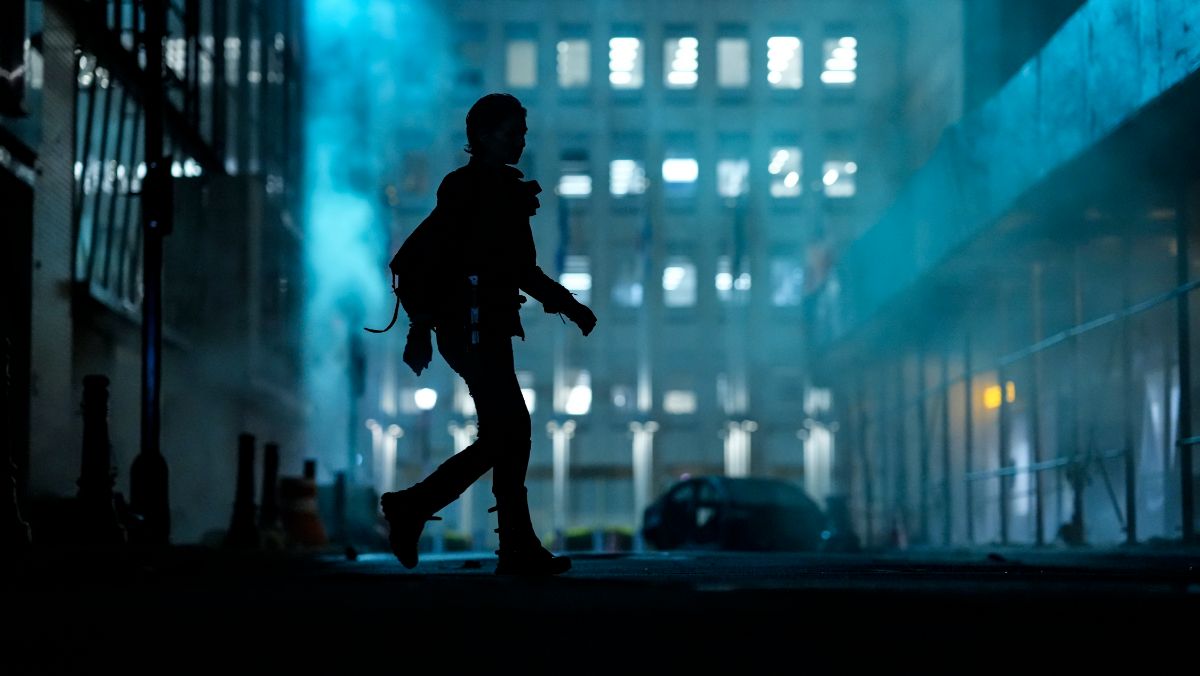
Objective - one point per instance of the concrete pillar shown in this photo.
(53, 427)
(560, 436)
(464, 435)
(643, 472)
(737, 447)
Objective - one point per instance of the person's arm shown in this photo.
(554, 297)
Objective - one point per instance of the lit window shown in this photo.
(733, 177)
(680, 170)
(625, 63)
(573, 63)
(577, 278)
(254, 62)
(520, 66)
(575, 185)
(679, 402)
(785, 171)
(626, 177)
(578, 394)
(627, 285)
(838, 178)
(784, 62)
(733, 62)
(679, 282)
(175, 54)
(275, 60)
(679, 176)
(233, 53)
(730, 286)
(841, 62)
(681, 61)
(787, 281)
(575, 182)
(206, 59)
(33, 57)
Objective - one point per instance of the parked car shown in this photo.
(748, 513)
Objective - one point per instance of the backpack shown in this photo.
(415, 273)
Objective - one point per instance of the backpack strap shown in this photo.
(395, 310)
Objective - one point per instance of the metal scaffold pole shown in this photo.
(148, 476)
(1183, 344)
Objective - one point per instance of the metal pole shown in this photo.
(220, 85)
(968, 439)
(1076, 467)
(900, 455)
(242, 91)
(148, 475)
(1128, 399)
(1002, 453)
(868, 483)
(947, 519)
(1167, 442)
(1035, 413)
(1183, 344)
(923, 443)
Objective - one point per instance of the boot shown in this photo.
(406, 519)
(521, 553)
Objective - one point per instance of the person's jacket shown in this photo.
(483, 229)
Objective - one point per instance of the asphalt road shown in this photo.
(323, 613)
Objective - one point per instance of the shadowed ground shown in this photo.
(962, 610)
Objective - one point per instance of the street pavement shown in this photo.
(328, 612)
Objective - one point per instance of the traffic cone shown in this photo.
(298, 509)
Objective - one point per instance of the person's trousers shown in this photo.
(504, 429)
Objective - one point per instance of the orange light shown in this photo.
(991, 395)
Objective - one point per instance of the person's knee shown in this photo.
(518, 427)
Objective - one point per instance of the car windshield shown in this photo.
(763, 492)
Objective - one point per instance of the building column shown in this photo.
(464, 435)
(560, 436)
(737, 447)
(643, 473)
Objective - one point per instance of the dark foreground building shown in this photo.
(73, 186)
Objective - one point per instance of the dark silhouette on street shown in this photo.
(460, 275)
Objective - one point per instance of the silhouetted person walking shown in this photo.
(477, 255)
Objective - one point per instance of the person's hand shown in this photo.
(418, 349)
(583, 317)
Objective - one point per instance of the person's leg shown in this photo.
(409, 509)
(507, 424)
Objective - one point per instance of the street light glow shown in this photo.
(425, 398)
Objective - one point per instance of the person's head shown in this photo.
(496, 128)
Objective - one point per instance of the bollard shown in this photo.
(97, 515)
(298, 509)
(270, 534)
(243, 533)
(268, 516)
(340, 521)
